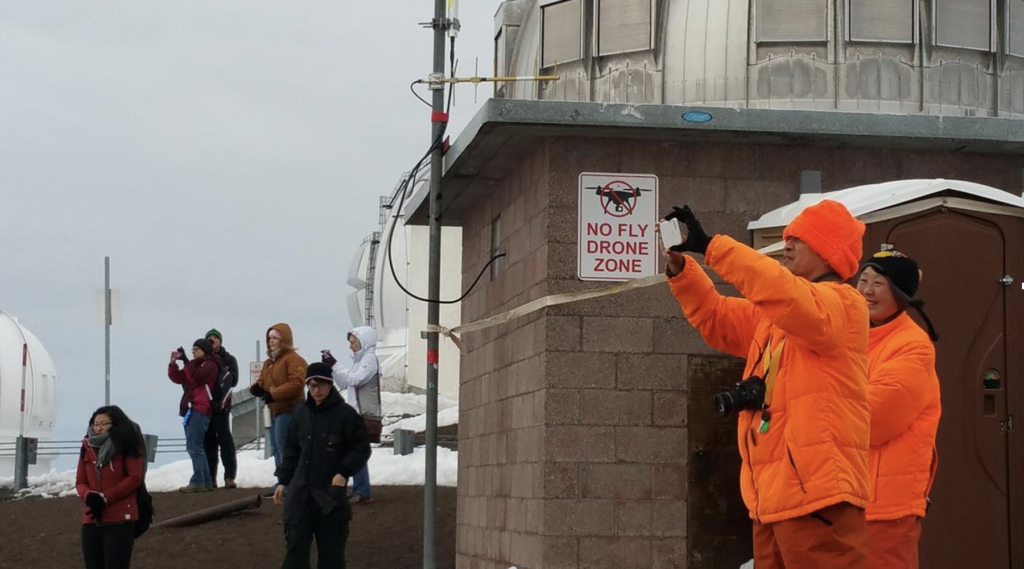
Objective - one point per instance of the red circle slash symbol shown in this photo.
(618, 198)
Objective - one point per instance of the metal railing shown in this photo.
(169, 445)
(51, 449)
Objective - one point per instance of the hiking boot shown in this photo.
(192, 489)
(230, 483)
(359, 499)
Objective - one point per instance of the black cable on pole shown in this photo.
(417, 95)
(403, 192)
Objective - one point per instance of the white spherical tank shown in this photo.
(40, 390)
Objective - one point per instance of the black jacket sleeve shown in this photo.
(292, 452)
(233, 368)
(358, 452)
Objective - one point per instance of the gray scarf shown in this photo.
(106, 451)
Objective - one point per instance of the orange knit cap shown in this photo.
(830, 231)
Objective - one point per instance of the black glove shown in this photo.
(96, 503)
(327, 358)
(257, 390)
(268, 398)
(697, 240)
(181, 354)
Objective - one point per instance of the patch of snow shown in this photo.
(632, 111)
(398, 404)
(418, 424)
(386, 469)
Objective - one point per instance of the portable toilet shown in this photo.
(969, 242)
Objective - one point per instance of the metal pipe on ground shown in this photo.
(214, 513)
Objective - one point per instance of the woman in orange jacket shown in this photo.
(804, 333)
(905, 409)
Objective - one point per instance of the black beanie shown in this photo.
(205, 345)
(901, 271)
(319, 370)
(904, 277)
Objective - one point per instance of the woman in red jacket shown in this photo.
(196, 379)
(110, 469)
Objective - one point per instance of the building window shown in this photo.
(495, 249)
(963, 23)
(1015, 27)
(624, 25)
(792, 20)
(561, 32)
(889, 21)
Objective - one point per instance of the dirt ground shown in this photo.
(45, 533)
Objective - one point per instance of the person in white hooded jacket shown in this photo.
(360, 385)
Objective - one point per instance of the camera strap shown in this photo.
(771, 368)
(771, 359)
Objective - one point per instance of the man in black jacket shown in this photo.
(219, 433)
(327, 444)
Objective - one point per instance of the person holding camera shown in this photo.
(219, 433)
(361, 383)
(906, 406)
(280, 383)
(326, 445)
(111, 467)
(803, 416)
(196, 377)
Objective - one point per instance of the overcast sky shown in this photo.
(228, 156)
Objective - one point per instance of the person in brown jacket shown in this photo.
(281, 384)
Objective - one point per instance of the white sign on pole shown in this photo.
(617, 216)
(254, 372)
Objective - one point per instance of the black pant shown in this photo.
(331, 533)
(108, 546)
(219, 434)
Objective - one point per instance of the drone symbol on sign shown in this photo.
(618, 198)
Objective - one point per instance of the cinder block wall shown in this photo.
(574, 442)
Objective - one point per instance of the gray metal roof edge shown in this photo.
(791, 123)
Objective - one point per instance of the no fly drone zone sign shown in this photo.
(617, 216)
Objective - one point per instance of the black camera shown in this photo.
(747, 394)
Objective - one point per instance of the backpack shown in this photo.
(220, 394)
(144, 501)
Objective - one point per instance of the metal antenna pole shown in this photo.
(106, 326)
(20, 456)
(259, 415)
(434, 292)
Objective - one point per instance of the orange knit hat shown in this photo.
(830, 231)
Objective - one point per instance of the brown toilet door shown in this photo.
(963, 259)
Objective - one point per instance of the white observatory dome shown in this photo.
(941, 57)
(40, 382)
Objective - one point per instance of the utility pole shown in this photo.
(106, 326)
(20, 456)
(438, 124)
(259, 414)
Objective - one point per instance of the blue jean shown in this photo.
(195, 434)
(361, 482)
(279, 435)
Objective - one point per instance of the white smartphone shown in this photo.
(671, 233)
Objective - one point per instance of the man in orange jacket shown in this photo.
(905, 410)
(804, 438)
